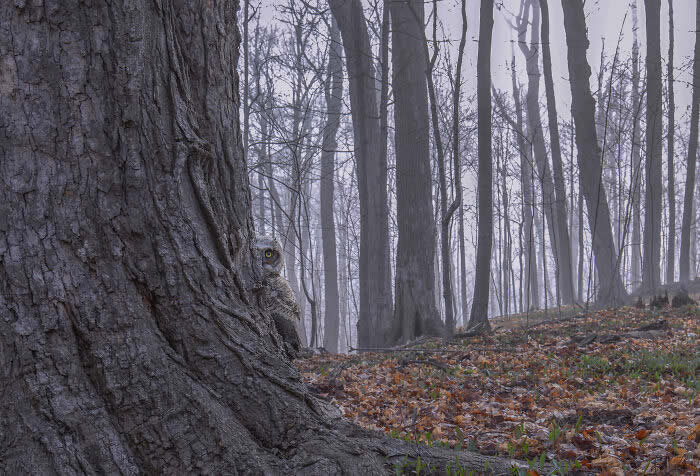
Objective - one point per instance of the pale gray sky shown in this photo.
(604, 20)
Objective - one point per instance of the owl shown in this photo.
(274, 295)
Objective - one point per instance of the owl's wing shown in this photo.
(286, 300)
(276, 297)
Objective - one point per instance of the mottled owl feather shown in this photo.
(277, 296)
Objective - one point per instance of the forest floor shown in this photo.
(614, 391)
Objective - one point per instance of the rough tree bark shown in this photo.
(375, 289)
(611, 289)
(415, 311)
(688, 198)
(653, 195)
(130, 341)
(671, 249)
(334, 98)
(479, 312)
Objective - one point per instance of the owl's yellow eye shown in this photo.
(268, 253)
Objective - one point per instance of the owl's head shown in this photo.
(268, 254)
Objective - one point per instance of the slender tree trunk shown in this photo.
(445, 213)
(563, 244)
(694, 237)
(521, 267)
(306, 259)
(261, 204)
(581, 243)
(345, 340)
(463, 266)
(334, 98)
(636, 158)
(574, 243)
(415, 311)
(589, 159)
(507, 264)
(671, 254)
(375, 291)
(498, 210)
(285, 226)
(246, 82)
(654, 189)
(456, 154)
(532, 295)
(689, 199)
(386, 305)
(545, 274)
(479, 312)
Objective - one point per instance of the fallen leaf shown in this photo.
(676, 461)
(606, 462)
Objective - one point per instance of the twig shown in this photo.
(474, 331)
(433, 351)
(432, 362)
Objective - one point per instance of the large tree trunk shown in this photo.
(611, 288)
(688, 198)
(334, 98)
(375, 290)
(479, 313)
(554, 204)
(563, 243)
(654, 189)
(130, 339)
(671, 254)
(415, 311)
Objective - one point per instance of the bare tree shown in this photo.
(653, 196)
(553, 197)
(333, 94)
(457, 161)
(375, 291)
(479, 312)
(671, 253)
(246, 75)
(415, 311)
(447, 207)
(589, 158)
(445, 212)
(688, 199)
(528, 246)
(636, 261)
(563, 243)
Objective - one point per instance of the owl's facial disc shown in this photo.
(271, 259)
